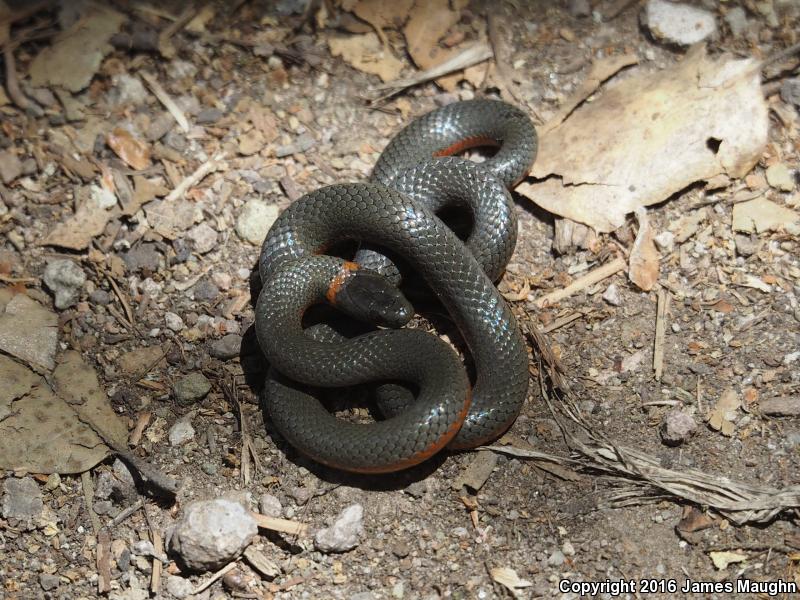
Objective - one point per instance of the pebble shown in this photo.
(301, 144)
(65, 279)
(100, 297)
(49, 582)
(780, 177)
(205, 291)
(269, 505)
(142, 257)
(173, 321)
(567, 548)
(208, 116)
(345, 532)
(254, 221)
(160, 126)
(736, 18)
(10, 166)
(192, 388)
(178, 69)
(222, 280)
(212, 533)
(677, 427)
(179, 587)
(611, 295)
(226, 347)
(665, 241)
(580, 8)
(790, 91)
(127, 90)
(556, 559)
(203, 238)
(679, 24)
(53, 481)
(22, 499)
(746, 245)
(180, 433)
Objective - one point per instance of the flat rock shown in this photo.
(226, 347)
(212, 533)
(65, 279)
(780, 177)
(679, 24)
(142, 257)
(181, 433)
(761, 215)
(254, 221)
(203, 238)
(192, 388)
(10, 166)
(29, 332)
(790, 91)
(677, 427)
(345, 532)
(22, 499)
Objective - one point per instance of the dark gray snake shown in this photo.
(395, 213)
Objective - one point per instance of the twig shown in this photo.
(218, 575)
(8, 279)
(561, 321)
(158, 545)
(103, 561)
(587, 280)
(126, 513)
(211, 165)
(471, 56)
(779, 56)
(165, 99)
(141, 423)
(661, 330)
(500, 39)
(88, 494)
(12, 83)
(164, 38)
(281, 525)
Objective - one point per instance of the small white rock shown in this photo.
(611, 295)
(679, 24)
(345, 532)
(180, 433)
(173, 321)
(665, 241)
(255, 220)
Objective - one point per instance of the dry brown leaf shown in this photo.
(366, 53)
(29, 332)
(507, 577)
(135, 152)
(651, 136)
(430, 21)
(643, 263)
(264, 120)
(380, 13)
(724, 412)
(144, 190)
(47, 431)
(170, 218)
(77, 231)
(17, 381)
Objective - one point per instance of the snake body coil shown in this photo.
(396, 212)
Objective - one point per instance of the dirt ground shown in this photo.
(423, 537)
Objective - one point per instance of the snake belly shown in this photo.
(396, 211)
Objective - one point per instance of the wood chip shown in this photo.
(583, 282)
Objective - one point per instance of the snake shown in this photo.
(426, 396)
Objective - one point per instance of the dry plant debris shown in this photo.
(649, 136)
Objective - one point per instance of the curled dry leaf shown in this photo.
(643, 263)
(90, 220)
(132, 150)
(366, 53)
(508, 578)
(649, 137)
(724, 412)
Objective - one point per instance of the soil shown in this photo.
(420, 539)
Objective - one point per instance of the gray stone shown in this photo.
(780, 177)
(269, 505)
(736, 18)
(790, 91)
(127, 90)
(100, 297)
(580, 8)
(22, 499)
(556, 559)
(677, 427)
(345, 532)
(205, 290)
(192, 388)
(179, 587)
(254, 221)
(160, 126)
(228, 346)
(178, 69)
(208, 116)
(212, 533)
(180, 433)
(611, 295)
(49, 582)
(679, 24)
(203, 238)
(10, 166)
(173, 321)
(65, 279)
(142, 257)
(746, 245)
(301, 144)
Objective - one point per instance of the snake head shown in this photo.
(370, 297)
